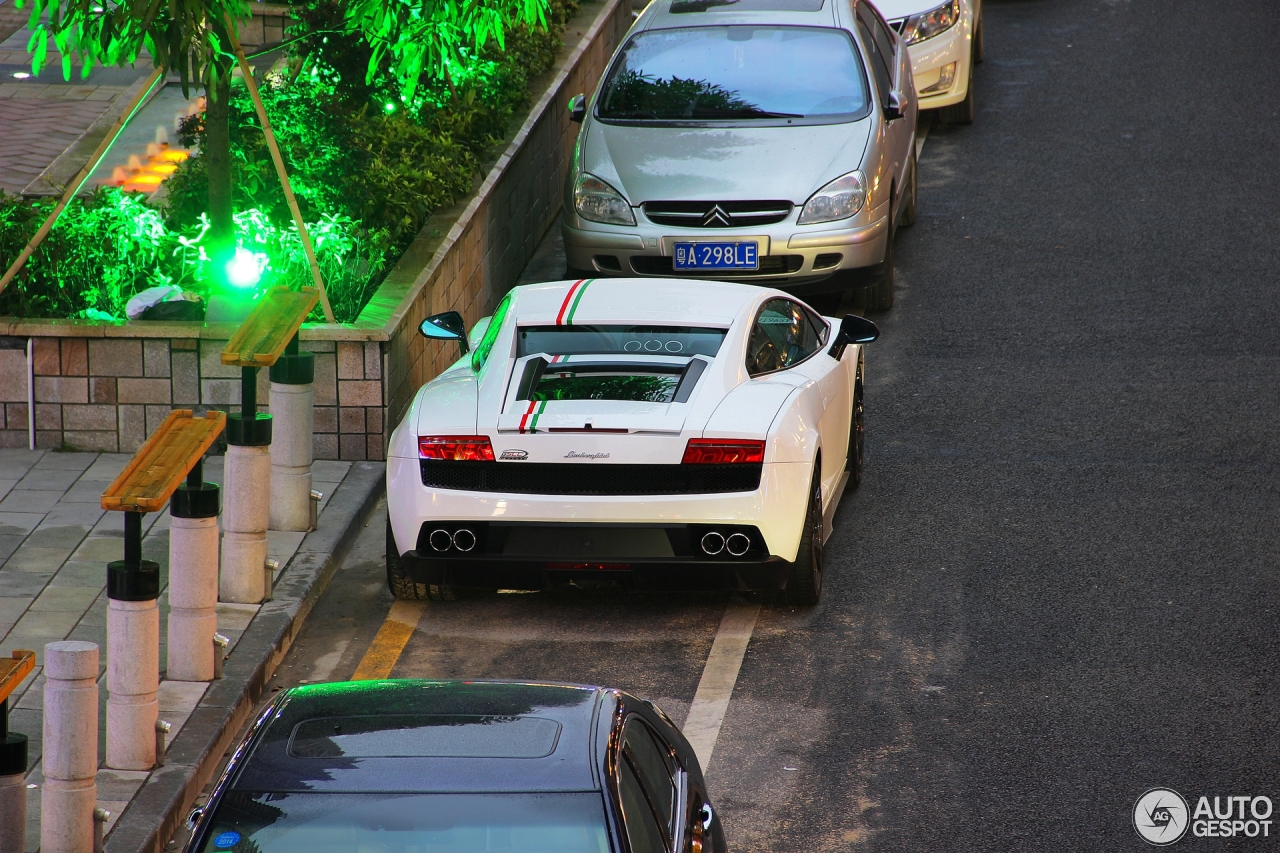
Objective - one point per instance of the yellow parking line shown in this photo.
(390, 641)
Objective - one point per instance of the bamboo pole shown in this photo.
(247, 72)
(74, 186)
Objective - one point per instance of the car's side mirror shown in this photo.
(578, 108)
(853, 330)
(448, 326)
(896, 107)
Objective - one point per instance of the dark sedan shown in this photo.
(460, 767)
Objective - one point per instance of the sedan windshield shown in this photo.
(736, 73)
(408, 823)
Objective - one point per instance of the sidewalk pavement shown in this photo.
(46, 116)
(55, 542)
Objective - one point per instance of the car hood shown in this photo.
(723, 163)
(895, 9)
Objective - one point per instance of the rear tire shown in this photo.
(907, 216)
(399, 581)
(804, 577)
(879, 296)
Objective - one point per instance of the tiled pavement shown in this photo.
(42, 117)
(55, 542)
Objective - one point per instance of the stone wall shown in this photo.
(100, 386)
(111, 393)
(483, 253)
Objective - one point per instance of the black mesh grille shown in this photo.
(551, 478)
(769, 265)
(703, 214)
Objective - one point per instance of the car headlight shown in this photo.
(839, 199)
(597, 201)
(928, 24)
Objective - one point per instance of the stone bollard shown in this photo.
(292, 409)
(70, 756)
(133, 654)
(247, 498)
(13, 784)
(193, 578)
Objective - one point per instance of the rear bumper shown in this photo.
(522, 555)
(776, 510)
(527, 574)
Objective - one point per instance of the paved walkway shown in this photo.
(55, 542)
(44, 116)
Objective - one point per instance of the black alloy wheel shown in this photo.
(857, 434)
(804, 581)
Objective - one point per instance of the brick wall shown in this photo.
(111, 393)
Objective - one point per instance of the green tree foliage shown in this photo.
(185, 36)
(434, 38)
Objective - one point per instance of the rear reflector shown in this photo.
(722, 451)
(589, 567)
(456, 448)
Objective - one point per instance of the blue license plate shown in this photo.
(717, 256)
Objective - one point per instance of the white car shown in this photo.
(661, 433)
(944, 41)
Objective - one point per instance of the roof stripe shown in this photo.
(542, 407)
(564, 306)
(568, 321)
(525, 418)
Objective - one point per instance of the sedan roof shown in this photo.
(427, 736)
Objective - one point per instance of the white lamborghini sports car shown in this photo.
(662, 433)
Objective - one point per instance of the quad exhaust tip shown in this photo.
(464, 539)
(735, 544)
(442, 540)
(712, 543)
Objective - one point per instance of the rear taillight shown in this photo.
(457, 448)
(722, 451)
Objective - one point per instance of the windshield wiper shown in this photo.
(744, 112)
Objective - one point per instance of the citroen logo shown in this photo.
(716, 216)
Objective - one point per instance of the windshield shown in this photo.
(618, 340)
(408, 823)
(735, 73)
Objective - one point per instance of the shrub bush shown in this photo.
(367, 168)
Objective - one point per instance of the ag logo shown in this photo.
(514, 454)
(1160, 816)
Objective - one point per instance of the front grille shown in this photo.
(769, 265)
(554, 478)
(713, 214)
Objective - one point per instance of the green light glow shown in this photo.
(245, 269)
(389, 106)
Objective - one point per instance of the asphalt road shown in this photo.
(1057, 587)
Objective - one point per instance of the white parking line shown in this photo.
(702, 726)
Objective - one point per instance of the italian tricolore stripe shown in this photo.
(571, 300)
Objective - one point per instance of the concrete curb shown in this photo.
(157, 811)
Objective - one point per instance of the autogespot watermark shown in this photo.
(1161, 816)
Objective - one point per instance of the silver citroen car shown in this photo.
(767, 141)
